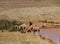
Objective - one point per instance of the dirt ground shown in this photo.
(19, 38)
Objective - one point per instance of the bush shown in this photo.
(8, 25)
(4, 24)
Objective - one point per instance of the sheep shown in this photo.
(29, 31)
(34, 28)
(22, 28)
(15, 28)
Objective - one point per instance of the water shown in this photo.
(53, 34)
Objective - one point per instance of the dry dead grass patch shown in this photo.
(19, 38)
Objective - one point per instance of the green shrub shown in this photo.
(8, 25)
(4, 24)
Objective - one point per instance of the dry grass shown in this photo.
(19, 38)
(33, 13)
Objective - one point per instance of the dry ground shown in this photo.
(19, 38)
(10, 4)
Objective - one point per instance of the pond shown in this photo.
(53, 34)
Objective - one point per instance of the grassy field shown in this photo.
(32, 13)
(19, 38)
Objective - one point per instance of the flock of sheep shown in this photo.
(31, 29)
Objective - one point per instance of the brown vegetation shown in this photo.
(17, 38)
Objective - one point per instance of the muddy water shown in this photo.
(53, 34)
